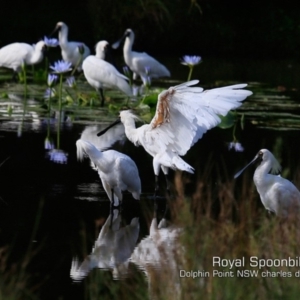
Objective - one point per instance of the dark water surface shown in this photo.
(57, 210)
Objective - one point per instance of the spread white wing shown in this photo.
(184, 113)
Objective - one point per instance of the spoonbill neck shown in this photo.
(63, 36)
(37, 56)
(128, 44)
(262, 171)
(130, 129)
(89, 149)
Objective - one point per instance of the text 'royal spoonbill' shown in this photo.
(117, 171)
(140, 63)
(277, 194)
(183, 114)
(14, 55)
(101, 74)
(73, 52)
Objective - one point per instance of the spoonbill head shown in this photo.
(117, 171)
(140, 63)
(101, 74)
(73, 52)
(14, 55)
(277, 194)
(101, 49)
(183, 114)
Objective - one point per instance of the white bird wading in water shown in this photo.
(70, 51)
(140, 63)
(183, 115)
(277, 194)
(117, 171)
(101, 74)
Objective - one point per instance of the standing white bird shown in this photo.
(73, 52)
(14, 55)
(277, 194)
(101, 74)
(183, 115)
(117, 171)
(140, 63)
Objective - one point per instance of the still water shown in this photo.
(58, 214)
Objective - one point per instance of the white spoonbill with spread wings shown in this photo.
(117, 171)
(277, 194)
(70, 51)
(183, 115)
(140, 63)
(12, 56)
(101, 74)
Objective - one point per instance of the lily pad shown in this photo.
(228, 120)
(151, 100)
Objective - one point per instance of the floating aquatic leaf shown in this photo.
(151, 100)
(228, 120)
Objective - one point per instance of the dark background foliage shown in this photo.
(207, 27)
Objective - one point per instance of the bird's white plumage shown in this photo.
(12, 56)
(100, 49)
(117, 171)
(183, 115)
(112, 248)
(101, 74)
(141, 63)
(70, 49)
(277, 194)
(161, 253)
(116, 135)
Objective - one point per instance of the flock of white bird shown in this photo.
(183, 114)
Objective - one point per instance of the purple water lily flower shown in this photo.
(146, 80)
(51, 42)
(71, 82)
(135, 90)
(58, 156)
(50, 92)
(191, 60)
(51, 79)
(61, 66)
(236, 146)
(49, 145)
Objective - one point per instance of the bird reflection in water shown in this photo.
(160, 255)
(110, 138)
(112, 248)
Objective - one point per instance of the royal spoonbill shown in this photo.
(277, 194)
(73, 52)
(101, 74)
(14, 55)
(140, 63)
(183, 115)
(117, 171)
